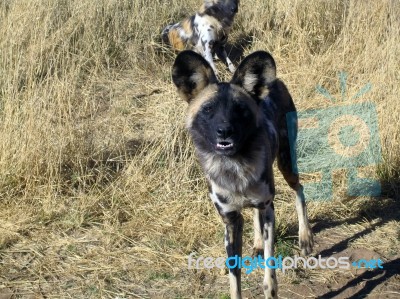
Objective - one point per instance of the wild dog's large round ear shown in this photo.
(191, 73)
(255, 73)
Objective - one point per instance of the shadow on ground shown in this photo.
(371, 278)
(334, 241)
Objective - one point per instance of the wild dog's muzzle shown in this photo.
(224, 131)
(225, 142)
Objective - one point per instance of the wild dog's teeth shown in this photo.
(224, 145)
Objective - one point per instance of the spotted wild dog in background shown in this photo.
(238, 129)
(206, 32)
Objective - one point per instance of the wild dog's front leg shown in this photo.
(270, 283)
(209, 58)
(221, 53)
(207, 47)
(233, 244)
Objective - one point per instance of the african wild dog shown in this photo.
(206, 32)
(238, 128)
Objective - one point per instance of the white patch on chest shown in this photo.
(234, 201)
(235, 175)
(209, 29)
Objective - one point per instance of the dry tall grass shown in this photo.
(100, 192)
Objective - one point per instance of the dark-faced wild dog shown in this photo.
(238, 128)
(205, 32)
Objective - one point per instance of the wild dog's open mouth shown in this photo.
(224, 145)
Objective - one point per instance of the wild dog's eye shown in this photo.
(243, 110)
(208, 109)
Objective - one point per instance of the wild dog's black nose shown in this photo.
(224, 131)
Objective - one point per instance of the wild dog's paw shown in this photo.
(270, 286)
(306, 241)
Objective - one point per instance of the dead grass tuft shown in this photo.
(101, 195)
